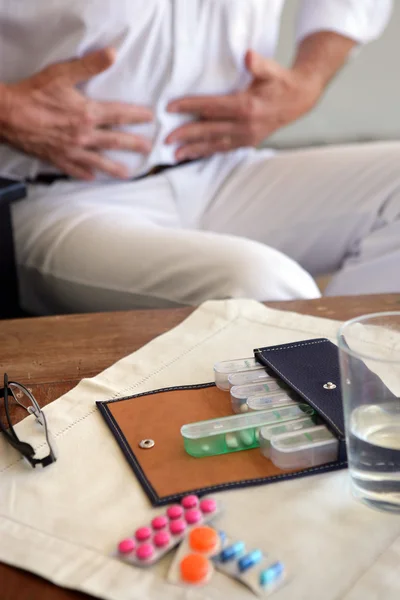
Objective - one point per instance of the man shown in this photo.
(101, 100)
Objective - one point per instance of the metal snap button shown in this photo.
(146, 444)
(330, 386)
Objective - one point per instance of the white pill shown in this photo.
(247, 438)
(231, 441)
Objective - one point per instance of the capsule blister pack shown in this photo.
(253, 567)
(237, 432)
(152, 541)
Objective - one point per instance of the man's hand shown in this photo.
(47, 117)
(277, 96)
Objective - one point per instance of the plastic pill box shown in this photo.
(227, 367)
(242, 392)
(240, 395)
(307, 448)
(257, 376)
(266, 402)
(269, 431)
(237, 432)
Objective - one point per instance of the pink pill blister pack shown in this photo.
(151, 542)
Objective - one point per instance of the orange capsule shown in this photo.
(204, 539)
(195, 568)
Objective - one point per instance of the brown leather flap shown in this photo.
(167, 467)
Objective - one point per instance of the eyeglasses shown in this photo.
(16, 392)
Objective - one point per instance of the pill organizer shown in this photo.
(237, 432)
(242, 392)
(227, 367)
(303, 449)
(266, 402)
(191, 565)
(270, 431)
(252, 567)
(239, 401)
(152, 541)
(257, 376)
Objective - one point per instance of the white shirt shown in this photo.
(166, 49)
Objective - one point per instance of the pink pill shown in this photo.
(193, 516)
(145, 552)
(175, 511)
(159, 522)
(161, 539)
(208, 505)
(143, 533)
(126, 546)
(177, 527)
(190, 502)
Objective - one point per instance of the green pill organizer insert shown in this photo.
(237, 432)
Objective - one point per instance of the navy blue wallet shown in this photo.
(311, 369)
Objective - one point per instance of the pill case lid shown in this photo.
(271, 401)
(242, 392)
(233, 423)
(296, 441)
(226, 367)
(269, 431)
(245, 377)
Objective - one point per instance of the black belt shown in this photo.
(49, 178)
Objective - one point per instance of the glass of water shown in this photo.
(369, 350)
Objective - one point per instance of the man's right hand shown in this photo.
(47, 117)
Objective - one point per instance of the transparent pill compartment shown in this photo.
(228, 367)
(242, 392)
(269, 431)
(301, 450)
(267, 402)
(237, 432)
(271, 400)
(257, 376)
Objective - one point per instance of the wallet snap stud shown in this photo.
(147, 444)
(330, 386)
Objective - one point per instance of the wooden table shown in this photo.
(51, 355)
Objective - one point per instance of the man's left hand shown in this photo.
(276, 97)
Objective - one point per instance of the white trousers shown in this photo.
(244, 224)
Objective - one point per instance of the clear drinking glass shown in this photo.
(369, 350)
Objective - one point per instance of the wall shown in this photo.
(363, 103)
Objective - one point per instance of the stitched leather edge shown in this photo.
(261, 351)
(151, 493)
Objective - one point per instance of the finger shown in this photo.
(120, 113)
(261, 67)
(74, 170)
(201, 130)
(118, 140)
(232, 106)
(206, 148)
(84, 68)
(94, 160)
